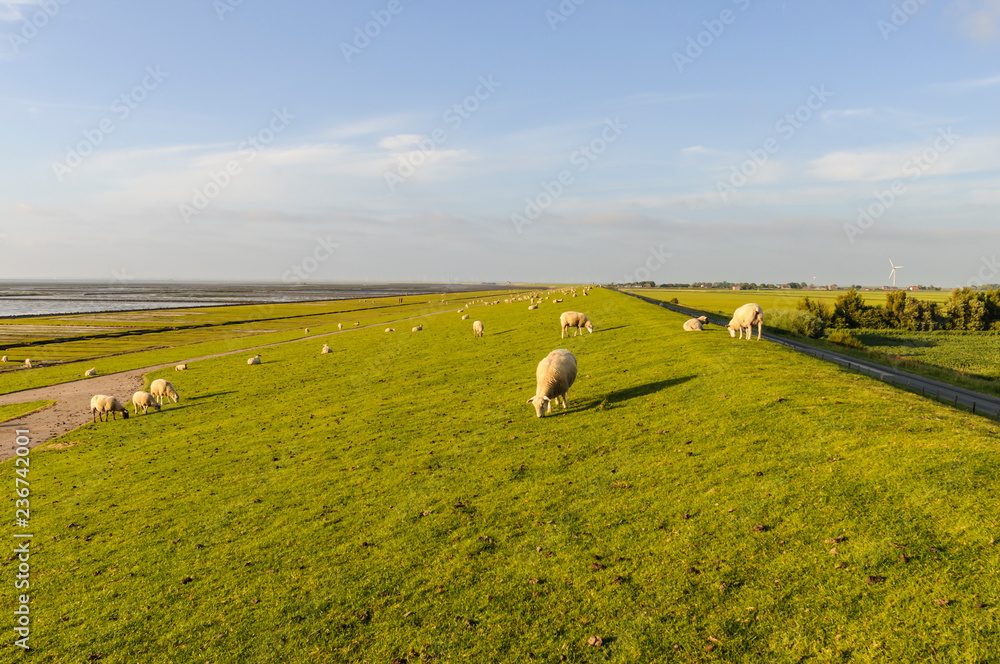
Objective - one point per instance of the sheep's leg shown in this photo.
(760, 326)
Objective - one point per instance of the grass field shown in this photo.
(19, 409)
(702, 499)
(725, 302)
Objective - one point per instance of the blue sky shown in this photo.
(533, 141)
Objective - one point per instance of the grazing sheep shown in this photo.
(254, 360)
(160, 388)
(325, 349)
(340, 326)
(180, 367)
(307, 330)
(356, 324)
(575, 319)
(390, 329)
(90, 372)
(465, 317)
(745, 318)
(695, 324)
(3, 359)
(418, 328)
(557, 301)
(553, 378)
(27, 363)
(144, 400)
(477, 328)
(101, 405)
(532, 307)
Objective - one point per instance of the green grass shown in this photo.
(398, 499)
(19, 409)
(725, 302)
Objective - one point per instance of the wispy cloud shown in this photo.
(979, 19)
(966, 85)
(12, 9)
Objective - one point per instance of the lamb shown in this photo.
(90, 372)
(254, 360)
(160, 388)
(745, 318)
(695, 324)
(27, 363)
(418, 328)
(574, 319)
(325, 349)
(477, 328)
(180, 367)
(553, 378)
(102, 404)
(465, 317)
(144, 400)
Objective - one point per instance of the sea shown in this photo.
(18, 299)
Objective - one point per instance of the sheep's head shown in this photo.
(541, 404)
(732, 330)
(125, 414)
(156, 405)
(590, 327)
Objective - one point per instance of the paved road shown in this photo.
(976, 401)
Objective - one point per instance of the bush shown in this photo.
(800, 322)
(844, 338)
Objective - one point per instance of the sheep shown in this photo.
(532, 307)
(90, 372)
(27, 363)
(418, 328)
(180, 367)
(575, 319)
(102, 404)
(477, 328)
(3, 359)
(390, 329)
(465, 317)
(557, 301)
(695, 324)
(340, 326)
(745, 318)
(144, 400)
(306, 330)
(253, 360)
(325, 349)
(160, 388)
(356, 324)
(553, 378)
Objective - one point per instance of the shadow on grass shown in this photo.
(875, 340)
(210, 395)
(620, 396)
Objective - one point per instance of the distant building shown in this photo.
(737, 287)
(914, 287)
(833, 287)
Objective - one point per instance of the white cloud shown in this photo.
(966, 85)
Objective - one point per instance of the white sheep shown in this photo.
(253, 360)
(745, 318)
(160, 388)
(90, 372)
(532, 307)
(390, 329)
(340, 326)
(180, 367)
(695, 324)
(307, 330)
(3, 359)
(418, 328)
(465, 317)
(553, 378)
(477, 328)
(325, 349)
(27, 363)
(102, 404)
(144, 400)
(575, 319)
(356, 324)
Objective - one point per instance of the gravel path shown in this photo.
(72, 407)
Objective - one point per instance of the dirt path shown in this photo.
(71, 409)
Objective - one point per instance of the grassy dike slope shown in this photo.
(398, 499)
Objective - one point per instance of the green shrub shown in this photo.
(800, 322)
(844, 338)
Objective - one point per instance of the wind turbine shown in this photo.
(893, 273)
